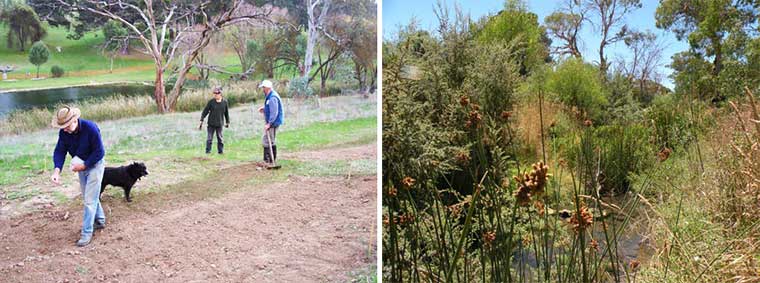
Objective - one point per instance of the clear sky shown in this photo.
(400, 12)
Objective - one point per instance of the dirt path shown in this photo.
(231, 230)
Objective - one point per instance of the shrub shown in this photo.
(333, 88)
(299, 87)
(38, 55)
(577, 84)
(670, 120)
(56, 71)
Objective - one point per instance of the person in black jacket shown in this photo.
(218, 112)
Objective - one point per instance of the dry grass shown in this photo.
(119, 107)
(528, 127)
(710, 227)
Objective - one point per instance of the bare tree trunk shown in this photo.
(311, 41)
(159, 92)
(21, 39)
(177, 89)
(315, 21)
(323, 83)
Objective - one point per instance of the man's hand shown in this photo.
(78, 167)
(200, 126)
(266, 127)
(56, 177)
(227, 125)
(261, 109)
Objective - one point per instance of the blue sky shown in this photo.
(400, 12)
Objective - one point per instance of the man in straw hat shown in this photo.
(81, 139)
(218, 113)
(273, 117)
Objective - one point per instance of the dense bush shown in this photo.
(515, 24)
(624, 106)
(669, 118)
(56, 71)
(578, 84)
(459, 201)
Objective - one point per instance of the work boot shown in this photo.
(274, 151)
(266, 155)
(99, 224)
(85, 240)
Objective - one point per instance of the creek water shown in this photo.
(48, 98)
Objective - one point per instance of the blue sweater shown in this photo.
(273, 109)
(84, 143)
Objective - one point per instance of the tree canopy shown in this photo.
(24, 25)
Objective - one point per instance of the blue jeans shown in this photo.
(89, 181)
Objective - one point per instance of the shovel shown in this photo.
(271, 153)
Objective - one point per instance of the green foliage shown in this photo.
(293, 49)
(6, 4)
(516, 25)
(716, 31)
(24, 25)
(263, 52)
(625, 150)
(577, 84)
(56, 71)
(495, 83)
(607, 157)
(299, 87)
(38, 55)
(565, 26)
(114, 33)
(623, 107)
(691, 75)
(449, 155)
(670, 122)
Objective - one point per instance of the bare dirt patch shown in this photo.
(230, 227)
(368, 151)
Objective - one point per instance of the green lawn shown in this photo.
(75, 56)
(81, 59)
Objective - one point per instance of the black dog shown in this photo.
(124, 176)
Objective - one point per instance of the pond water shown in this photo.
(48, 98)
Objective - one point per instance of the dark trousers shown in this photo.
(219, 139)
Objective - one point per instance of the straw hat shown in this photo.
(65, 116)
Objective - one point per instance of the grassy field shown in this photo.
(176, 138)
(85, 64)
(81, 59)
